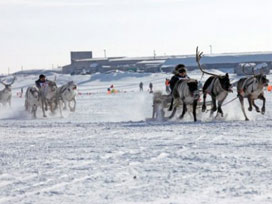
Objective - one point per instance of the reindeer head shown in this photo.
(52, 86)
(225, 82)
(72, 86)
(34, 91)
(261, 78)
(193, 87)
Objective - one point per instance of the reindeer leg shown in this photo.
(255, 106)
(220, 106)
(249, 103)
(219, 110)
(65, 105)
(9, 101)
(45, 104)
(54, 106)
(72, 109)
(194, 109)
(261, 96)
(43, 109)
(204, 102)
(213, 106)
(26, 106)
(171, 105)
(173, 113)
(50, 107)
(60, 108)
(243, 107)
(184, 109)
(34, 111)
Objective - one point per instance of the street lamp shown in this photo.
(210, 49)
(105, 53)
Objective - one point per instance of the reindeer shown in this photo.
(185, 92)
(32, 100)
(48, 94)
(217, 86)
(5, 94)
(252, 88)
(67, 93)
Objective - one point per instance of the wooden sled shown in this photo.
(161, 104)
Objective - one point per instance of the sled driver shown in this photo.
(179, 74)
(41, 81)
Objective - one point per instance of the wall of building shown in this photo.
(81, 55)
(167, 64)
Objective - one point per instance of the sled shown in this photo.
(161, 104)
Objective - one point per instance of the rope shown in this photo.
(224, 103)
(230, 101)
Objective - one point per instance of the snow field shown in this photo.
(106, 152)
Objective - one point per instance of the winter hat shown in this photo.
(41, 76)
(179, 69)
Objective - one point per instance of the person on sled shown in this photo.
(180, 73)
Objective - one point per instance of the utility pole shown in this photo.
(154, 53)
(210, 49)
(8, 70)
(105, 53)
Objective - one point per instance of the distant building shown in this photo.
(81, 55)
(84, 63)
(81, 65)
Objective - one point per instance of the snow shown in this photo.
(107, 152)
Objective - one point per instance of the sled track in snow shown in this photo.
(135, 162)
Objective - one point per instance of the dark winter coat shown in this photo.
(175, 79)
(38, 83)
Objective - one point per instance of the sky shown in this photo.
(39, 34)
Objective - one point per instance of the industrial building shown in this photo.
(84, 63)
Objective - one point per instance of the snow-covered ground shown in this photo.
(107, 152)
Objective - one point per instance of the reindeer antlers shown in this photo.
(13, 80)
(243, 70)
(198, 57)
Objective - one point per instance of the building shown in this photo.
(84, 63)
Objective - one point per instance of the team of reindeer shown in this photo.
(51, 96)
(186, 92)
(48, 96)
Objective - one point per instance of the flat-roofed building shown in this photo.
(83, 62)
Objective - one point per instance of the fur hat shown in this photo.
(41, 76)
(179, 69)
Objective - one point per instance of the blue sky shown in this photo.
(41, 33)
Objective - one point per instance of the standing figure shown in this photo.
(141, 85)
(167, 85)
(22, 92)
(150, 87)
